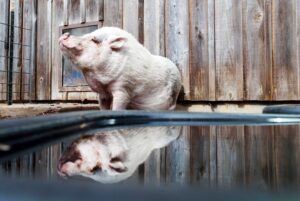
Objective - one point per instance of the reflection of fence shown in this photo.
(15, 52)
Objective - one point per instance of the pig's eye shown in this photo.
(119, 170)
(115, 159)
(95, 40)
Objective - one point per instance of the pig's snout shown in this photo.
(64, 37)
(61, 170)
(64, 168)
(67, 161)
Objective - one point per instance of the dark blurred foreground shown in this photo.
(63, 191)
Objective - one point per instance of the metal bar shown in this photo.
(10, 66)
(30, 63)
(13, 26)
(14, 92)
(21, 50)
(4, 71)
(282, 109)
(19, 136)
(2, 41)
(7, 46)
(12, 57)
(13, 84)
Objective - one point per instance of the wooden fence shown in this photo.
(226, 49)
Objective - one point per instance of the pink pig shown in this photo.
(123, 72)
(113, 156)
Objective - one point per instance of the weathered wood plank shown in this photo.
(15, 168)
(74, 12)
(228, 42)
(203, 156)
(82, 11)
(55, 153)
(211, 50)
(26, 166)
(33, 65)
(285, 67)
(101, 10)
(141, 21)
(4, 6)
(213, 157)
(27, 36)
(131, 17)
(152, 168)
(92, 10)
(259, 164)
(65, 12)
(44, 30)
(41, 168)
(230, 156)
(17, 49)
(154, 27)
(203, 152)
(298, 36)
(177, 49)
(113, 13)
(256, 49)
(202, 65)
(286, 156)
(58, 20)
(177, 38)
(178, 159)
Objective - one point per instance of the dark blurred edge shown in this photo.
(282, 109)
(35, 190)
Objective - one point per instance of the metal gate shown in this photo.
(16, 49)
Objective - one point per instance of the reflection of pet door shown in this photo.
(72, 79)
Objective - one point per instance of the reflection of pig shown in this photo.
(113, 156)
(124, 73)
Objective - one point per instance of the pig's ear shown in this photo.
(95, 40)
(116, 43)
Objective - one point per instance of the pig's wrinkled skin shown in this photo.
(124, 73)
(113, 156)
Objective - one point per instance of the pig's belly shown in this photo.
(151, 102)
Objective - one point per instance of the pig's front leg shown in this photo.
(104, 102)
(120, 100)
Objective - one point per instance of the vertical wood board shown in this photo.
(177, 38)
(43, 82)
(202, 67)
(228, 44)
(285, 66)
(256, 50)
